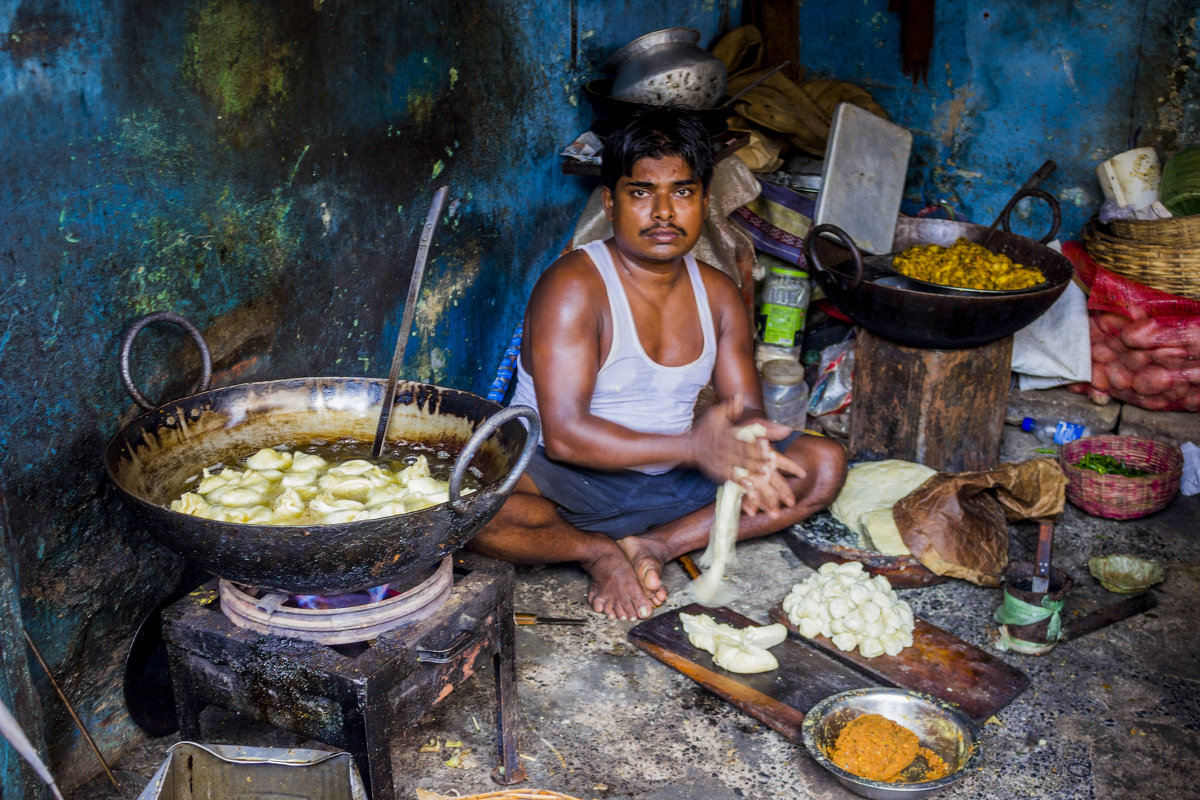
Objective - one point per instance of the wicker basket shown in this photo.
(1171, 232)
(1167, 267)
(1116, 496)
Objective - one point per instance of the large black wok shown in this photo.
(152, 458)
(925, 316)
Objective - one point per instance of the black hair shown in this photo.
(657, 132)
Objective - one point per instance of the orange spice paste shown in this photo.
(874, 747)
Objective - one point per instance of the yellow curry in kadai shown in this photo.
(966, 265)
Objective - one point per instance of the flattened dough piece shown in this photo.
(742, 650)
(877, 486)
(879, 528)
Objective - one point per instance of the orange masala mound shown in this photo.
(874, 747)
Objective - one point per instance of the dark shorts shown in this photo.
(623, 503)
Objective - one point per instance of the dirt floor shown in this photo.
(1114, 714)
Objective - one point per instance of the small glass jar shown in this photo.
(785, 394)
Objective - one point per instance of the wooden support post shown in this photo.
(941, 408)
(779, 22)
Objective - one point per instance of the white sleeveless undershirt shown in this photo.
(632, 389)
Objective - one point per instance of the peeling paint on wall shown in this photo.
(1075, 82)
(955, 111)
(1178, 100)
(37, 33)
(237, 57)
(262, 168)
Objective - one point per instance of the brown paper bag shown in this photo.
(955, 524)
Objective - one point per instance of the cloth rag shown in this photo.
(802, 112)
(1055, 349)
(1189, 484)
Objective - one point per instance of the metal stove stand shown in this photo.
(356, 697)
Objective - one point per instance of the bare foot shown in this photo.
(647, 566)
(616, 591)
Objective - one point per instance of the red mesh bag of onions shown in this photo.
(1145, 342)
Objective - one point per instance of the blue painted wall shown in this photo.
(1013, 83)
(264, 169)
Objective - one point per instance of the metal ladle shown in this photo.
(406, 321)
(1029, 189)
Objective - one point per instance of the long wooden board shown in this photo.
(778, 699)
(938, 663)
(810, 671)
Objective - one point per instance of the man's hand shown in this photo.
(755, 464)
(715, 449)
(768, 491)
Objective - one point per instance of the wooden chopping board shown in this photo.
(808, 672)
(778, 699)
(938, 663)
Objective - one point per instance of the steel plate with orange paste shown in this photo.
(873, 747)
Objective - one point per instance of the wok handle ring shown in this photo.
(127, 346)
(811, 258)
(1041, 194)
(489, 426)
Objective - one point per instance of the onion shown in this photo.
(1112, 343)
(1102, 354)
(1142, 334)
(1170, 357)
(1098, 397)
(1152, 380)
(1119, 377)
(1110, 323)
(1190, 339)
(1136, 360)
(1152, 403)
(1176, 391)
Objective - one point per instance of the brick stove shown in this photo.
(354, 696)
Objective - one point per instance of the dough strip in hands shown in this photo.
(723, 537)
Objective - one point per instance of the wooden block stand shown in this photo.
(940, 408)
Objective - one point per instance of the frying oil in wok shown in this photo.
(322, 482)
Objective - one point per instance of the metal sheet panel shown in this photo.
(866, 159)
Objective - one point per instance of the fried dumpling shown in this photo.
(269, 459)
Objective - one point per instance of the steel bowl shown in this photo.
(939, 725)
(611, 112)
(668, 67)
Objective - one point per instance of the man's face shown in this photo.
(657, 211)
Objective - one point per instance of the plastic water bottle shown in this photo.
(1055, 431)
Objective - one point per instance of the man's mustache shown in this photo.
(667, 227)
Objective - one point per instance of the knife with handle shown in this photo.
(524, 618)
